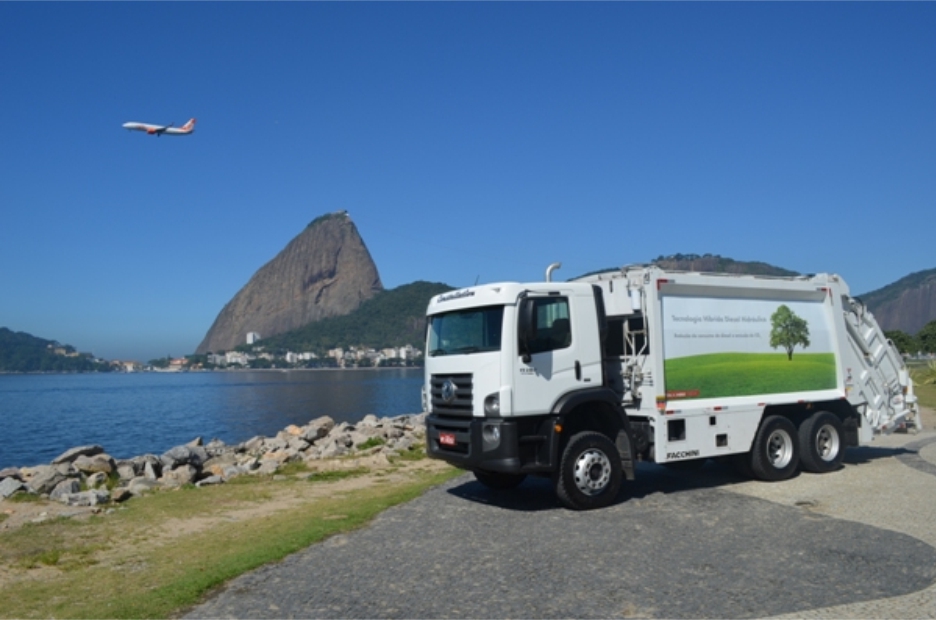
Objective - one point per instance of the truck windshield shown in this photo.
(466, 331)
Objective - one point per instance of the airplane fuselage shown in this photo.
(159, 130)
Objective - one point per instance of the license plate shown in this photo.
(447, 439)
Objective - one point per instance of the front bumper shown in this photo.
(491, 444)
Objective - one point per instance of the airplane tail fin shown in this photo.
(189, 126)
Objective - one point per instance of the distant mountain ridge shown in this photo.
(907, 304)
(713, 263)
(22, 352)
(324, 271)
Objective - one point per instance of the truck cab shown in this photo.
(506, 365)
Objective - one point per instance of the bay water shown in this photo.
(132, 414)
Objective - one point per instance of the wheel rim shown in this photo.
(827, 443)
(592, 472)
(780, 449)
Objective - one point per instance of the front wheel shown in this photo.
(821, 443)
(775, 454)
(498, 480)
(589, 472)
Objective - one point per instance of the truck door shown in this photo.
(561, 353)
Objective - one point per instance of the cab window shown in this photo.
(553, 330)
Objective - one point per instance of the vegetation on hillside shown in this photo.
(328, 216)
(720, 264)
(923, 342)
(710, 263)
(22, 352)
(392, 318)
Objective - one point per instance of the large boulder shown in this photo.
(317, 428)
(45, 478)
(70, 455)
(63, 488)
(142, 484)
(94, 464)
(11, 472)
(184, 455)
(128, 470)
(217, 465)
(181, 475)
(9, 486)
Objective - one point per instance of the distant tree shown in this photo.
(904, 342)
(788, 330)
(926, 337)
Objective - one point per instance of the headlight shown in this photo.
(492, 404)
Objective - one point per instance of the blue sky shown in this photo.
(476, 141)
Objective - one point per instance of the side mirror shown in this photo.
(526, 329)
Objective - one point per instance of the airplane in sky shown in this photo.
(159, 130)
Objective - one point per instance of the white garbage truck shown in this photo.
(579, 380)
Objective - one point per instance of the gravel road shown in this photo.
(859, 542)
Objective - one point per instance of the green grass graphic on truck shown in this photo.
(715, 375)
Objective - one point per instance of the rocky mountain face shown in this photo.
(712, 263)
(906, 305)
(325, 271)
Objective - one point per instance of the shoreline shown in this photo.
(110, 481)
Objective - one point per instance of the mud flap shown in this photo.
(623, 445)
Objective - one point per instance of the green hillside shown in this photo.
(391, 318)
(22, 352)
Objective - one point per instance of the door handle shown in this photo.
(578, 370)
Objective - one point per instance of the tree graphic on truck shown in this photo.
(788, 330)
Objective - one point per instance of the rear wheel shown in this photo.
(821, 444)
(775, 454)
(589, 472)
(498, 480)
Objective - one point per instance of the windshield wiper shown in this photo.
(436, 352)
(468, 349)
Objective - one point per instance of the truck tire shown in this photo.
(589, 472)
(822, 446)
(775, 453)
(498, 480)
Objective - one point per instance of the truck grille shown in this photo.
(449, 401)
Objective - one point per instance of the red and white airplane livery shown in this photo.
(159, 130)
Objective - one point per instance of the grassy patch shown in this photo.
(141, 561)
(416, 453)
(926, 393)
(338, 474)
(23, 497)
(373, 442)
(293, 468)
(743, 374)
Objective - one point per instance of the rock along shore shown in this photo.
(88, 476)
